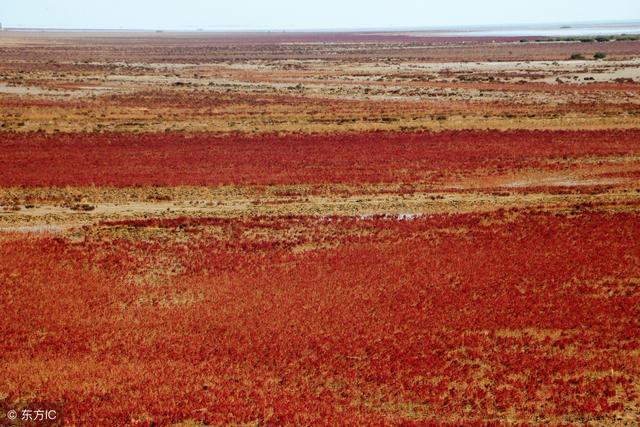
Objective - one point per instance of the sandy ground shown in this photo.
(55, 218)
(278, 88)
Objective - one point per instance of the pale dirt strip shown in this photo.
(56, 219)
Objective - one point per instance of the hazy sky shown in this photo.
(292, 14)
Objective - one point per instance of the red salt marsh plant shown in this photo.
(514, 316)
(372, 157)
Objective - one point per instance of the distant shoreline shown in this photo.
(545, 30)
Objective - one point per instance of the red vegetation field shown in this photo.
(175, 159)
(319, 229)
(446, 319)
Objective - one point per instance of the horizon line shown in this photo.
(256, 29)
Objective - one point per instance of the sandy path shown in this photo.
(51, 218)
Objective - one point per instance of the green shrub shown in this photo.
(600, 55)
